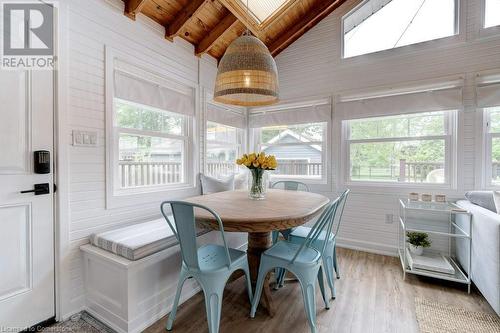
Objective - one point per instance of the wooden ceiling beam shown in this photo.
(242, 15)
(183, 18)
(226, 24)
(133, 7)
(312, 18)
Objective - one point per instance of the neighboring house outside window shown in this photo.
(412, 148)
(299, 149)
(377, 25)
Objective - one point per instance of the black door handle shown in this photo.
(39, 189)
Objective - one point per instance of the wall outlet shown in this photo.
(84, 138)
(389, 218)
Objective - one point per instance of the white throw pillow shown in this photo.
(212, 185)
(496, 198)
(241, 181)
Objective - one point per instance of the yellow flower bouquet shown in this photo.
(258, 163)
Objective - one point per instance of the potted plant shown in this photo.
(258, 163)
(418, 241)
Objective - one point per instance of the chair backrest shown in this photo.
(185, 230)
(290, 185)
(340, 211)
(325, 223)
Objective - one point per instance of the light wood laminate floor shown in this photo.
(371, 297)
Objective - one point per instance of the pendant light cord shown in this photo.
(247, 31)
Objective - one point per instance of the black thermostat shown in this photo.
(42, 161)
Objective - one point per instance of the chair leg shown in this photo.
(328, 265)
(322, 288)
(171, 317)
(281, 278)
(263, 270)
(307, 282)
(249, 283)
(335, 264)
(213, 305)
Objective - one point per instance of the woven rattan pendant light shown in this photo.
(247, 74)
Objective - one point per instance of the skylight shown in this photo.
(386, 24)
(263, 9)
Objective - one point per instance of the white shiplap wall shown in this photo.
(312, 66)
(87, 29)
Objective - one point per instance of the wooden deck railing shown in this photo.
(135, 174)
(413, 172)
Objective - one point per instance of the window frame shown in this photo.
(449, 160)
(240, 136)
(488, 152)
(459, 35)
(486, 31)
(325, 154)
(153, 194)
(117, 130)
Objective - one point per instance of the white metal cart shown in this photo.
(438, 220)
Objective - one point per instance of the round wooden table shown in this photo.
(279, 211)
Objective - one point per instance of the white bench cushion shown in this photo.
(139, 240)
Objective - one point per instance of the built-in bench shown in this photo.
(131, 273)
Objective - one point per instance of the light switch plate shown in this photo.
(85, 138)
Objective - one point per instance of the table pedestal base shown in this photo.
(259, 242)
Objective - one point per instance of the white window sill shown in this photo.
(142, 196)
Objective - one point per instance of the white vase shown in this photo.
(416, 250)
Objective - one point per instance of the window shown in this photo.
(491, 13)
(299, 149)
(261, 10)
(493, 143)
(378, 25)
(152, 145)
(224, 145)
(412, 148)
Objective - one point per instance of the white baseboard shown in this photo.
(369, 247)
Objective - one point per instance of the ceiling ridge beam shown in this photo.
(133, 7)
(183, 17)
(226, 24)
(312, 18)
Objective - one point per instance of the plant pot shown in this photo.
(416, 250)
(257, 184)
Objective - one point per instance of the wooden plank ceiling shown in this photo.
(211, 25)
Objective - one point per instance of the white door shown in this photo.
(26, 219)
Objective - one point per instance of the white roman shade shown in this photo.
(225, 116)
(425, 101)
(488, 95)
(291, 114)
(170, 97)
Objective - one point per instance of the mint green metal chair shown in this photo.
(303, 260)
(287, 185)
(211, 265)
(299, 236)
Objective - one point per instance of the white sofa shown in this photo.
(485, 251)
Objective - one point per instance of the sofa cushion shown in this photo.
(485, 261)
(139, 240)
(483, 199)
(213, 185)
